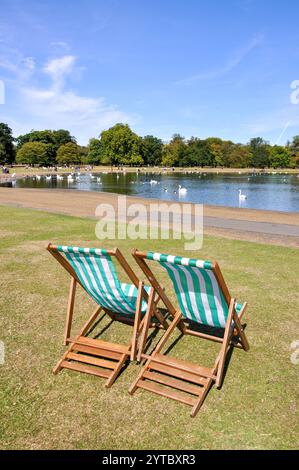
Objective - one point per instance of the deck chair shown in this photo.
(94, 271)
(204, 301)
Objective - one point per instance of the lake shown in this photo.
(276, 191)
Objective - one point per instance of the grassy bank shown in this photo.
(256, 407)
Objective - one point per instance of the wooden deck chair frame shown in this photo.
(170, 377)
(94, 356)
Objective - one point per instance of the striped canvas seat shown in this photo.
(97, 274)
(198, 292)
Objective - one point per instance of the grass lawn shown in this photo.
(256, 407)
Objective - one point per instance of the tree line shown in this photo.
(119, 146)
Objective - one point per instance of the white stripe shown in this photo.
(156, 256)
(191, 292)
(204, 296)
(115, 306)
(217, 297)
(117, 293)
(182, 294)
(185, 261)
(95, 294)
(170, 259)
(200, 263)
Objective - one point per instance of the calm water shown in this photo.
(272, 191)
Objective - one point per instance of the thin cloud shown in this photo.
(60, 45)
(57, 106)
(226, 68)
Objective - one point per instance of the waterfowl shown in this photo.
(242, 197)
(182, 190)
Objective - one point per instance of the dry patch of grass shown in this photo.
(256, 407)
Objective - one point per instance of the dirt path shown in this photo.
(248, 224)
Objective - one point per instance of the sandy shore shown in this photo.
(246, 224)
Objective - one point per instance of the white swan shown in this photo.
(242, 197)
(48, 178)
(38, 177)
(59, 177)
(182, 190)
(153, 181)
(13, 175)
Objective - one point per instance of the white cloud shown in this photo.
(233, 62)
(57, 106)
(59, 68)
(60, 45)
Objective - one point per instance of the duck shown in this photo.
(182, 190)
(242, 197)
(165, 190)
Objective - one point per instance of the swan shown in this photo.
(70, 179)
(98, 179)
(153, 181)
(38, 177)
(59, 177)
(13, 175)
(242, 197)
(182, 190)
(48, 178)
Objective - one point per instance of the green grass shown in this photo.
(256, 407)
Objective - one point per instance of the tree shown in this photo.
(68, 154)
(151, 150)
(215, 151)
(94, 156)
(197, 153)
(33, 153)
(279, 157)
(7, 150)
(54, 139)
(174, 152)
(239, 156)
(260, 152)
(121, 146)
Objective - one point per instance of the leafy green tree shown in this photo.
(260, 152)
(54, 139)
(174, 153)
(151, 150)
(61, 137)
(120, 146)
(33, 153)
(239, 156)
(215, 147)
(279, 157)
(68, 154)
(95, 149)
(7, 150)
(197, 153)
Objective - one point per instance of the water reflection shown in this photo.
(264, 191)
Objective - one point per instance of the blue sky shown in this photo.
(204, 68)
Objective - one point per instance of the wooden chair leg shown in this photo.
(136, 321)
(241, 332)
(225, 344)
(70, 311)
(147, 319)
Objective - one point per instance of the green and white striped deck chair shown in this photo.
(93, 269)
(206, 310)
